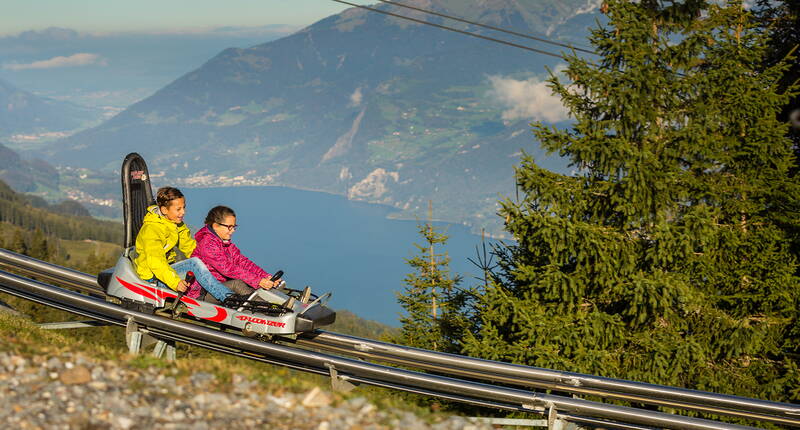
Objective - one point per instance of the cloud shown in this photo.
(356, 97)
(588, 7)
(81, 59)
(529, 99)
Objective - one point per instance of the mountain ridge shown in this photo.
(24, 112)
(355, 104)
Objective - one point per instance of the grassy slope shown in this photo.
(79, 250)
(22, 336)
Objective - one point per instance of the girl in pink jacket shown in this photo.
(223, 258)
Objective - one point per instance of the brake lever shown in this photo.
(189, 280)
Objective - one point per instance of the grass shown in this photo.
(79, 250)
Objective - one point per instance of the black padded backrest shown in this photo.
(136, 195)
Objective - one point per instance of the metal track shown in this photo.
(573, 383)
(51, 272)
(348, 369)
(455, 365)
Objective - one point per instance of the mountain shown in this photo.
(26, 176)
(22, 112)
(359, 104)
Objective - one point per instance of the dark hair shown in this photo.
(166, 195)
(218, 213)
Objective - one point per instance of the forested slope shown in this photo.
(18, 210)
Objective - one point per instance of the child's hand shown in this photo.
(182, 286)
(266, 283)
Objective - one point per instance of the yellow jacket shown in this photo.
(155, 245)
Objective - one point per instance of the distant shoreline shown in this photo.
(393, 213)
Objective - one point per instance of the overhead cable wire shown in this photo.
(491, 39)
(444, 27)
(490, 27)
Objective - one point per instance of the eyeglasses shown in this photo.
(229, 227)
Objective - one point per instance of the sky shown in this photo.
(159, 15)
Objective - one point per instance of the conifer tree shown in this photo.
(781, 20)
(659, 260)
(92, 263)
(18, 243)
(39, 247)
(433, 304)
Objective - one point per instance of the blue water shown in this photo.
(330, 243)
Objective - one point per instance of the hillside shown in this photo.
(357, 104)
(97, 192)
(63, 221)
(23, 114)
(26, 176)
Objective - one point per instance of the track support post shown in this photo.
(136, 338)
(553, 422)
(133, 337)
(164, 346)
(338, 382)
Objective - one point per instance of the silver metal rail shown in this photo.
(51, 272)
(348, 369)
(574, 383)
(450, 364)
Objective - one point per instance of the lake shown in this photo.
(330, 243)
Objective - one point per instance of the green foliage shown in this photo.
(350, 323)
(664, 258)
(18, 243)
(29, 226)
(781, 20)
(17, 210)
(87, 256)
(432, 301)
(70, 208)
(97, 263)
(39, 248)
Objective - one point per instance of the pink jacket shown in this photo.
(224, 261)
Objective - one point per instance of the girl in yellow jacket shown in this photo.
(162, 232)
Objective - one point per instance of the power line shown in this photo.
(490, 27)
(444, 27)
(491, 39)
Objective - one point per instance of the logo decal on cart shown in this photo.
(251, 319)
(255, 320)
(158, 295)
